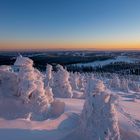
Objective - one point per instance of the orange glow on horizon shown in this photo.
(104, 45)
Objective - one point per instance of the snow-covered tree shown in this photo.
(48, 78)
(31, 88)
(115, 82)
(23, 61)
(49, 94)
(134, 86)
(61, 84)
(99, 117)
(73, 80)
(124, 84)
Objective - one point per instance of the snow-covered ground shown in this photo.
(109, 61)
(63, 127)
(67, 106)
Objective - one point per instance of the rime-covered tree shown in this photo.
(31, 88)
(61, 84)
(99, 117)
(49, 76)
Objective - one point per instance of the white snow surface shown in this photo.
(109, 61)
(118, 97)
(62, 128)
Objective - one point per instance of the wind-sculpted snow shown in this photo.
(77, 81)
(23, 61)
(48, 78)
(49, 94)
(61, 84)
(8, 83)
(28, 86)
(99, 119)
(124, 84)
(33, 100)
(31, 90)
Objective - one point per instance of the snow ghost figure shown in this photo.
(73, 81)
(48, 79)
(99, 118)
(124, 85)
(49, 94)
(61, 85)
(134, 86)
(115, 83)
(76, 81)
(31, 88)
(23, 61)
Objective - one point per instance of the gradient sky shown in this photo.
(99, 24)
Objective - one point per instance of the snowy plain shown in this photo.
(61, 128)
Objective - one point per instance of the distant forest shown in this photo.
(67, 60)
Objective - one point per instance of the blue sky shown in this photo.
(69, 20)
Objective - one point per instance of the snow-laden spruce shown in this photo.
(99, 118)
(49, 76)
(74, 80)
(115, 83)
(134, 86)
(31, 88)
(77, 81)
(61, 84)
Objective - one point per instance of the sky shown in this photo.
(70, 24)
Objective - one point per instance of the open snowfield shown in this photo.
(62, 128)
